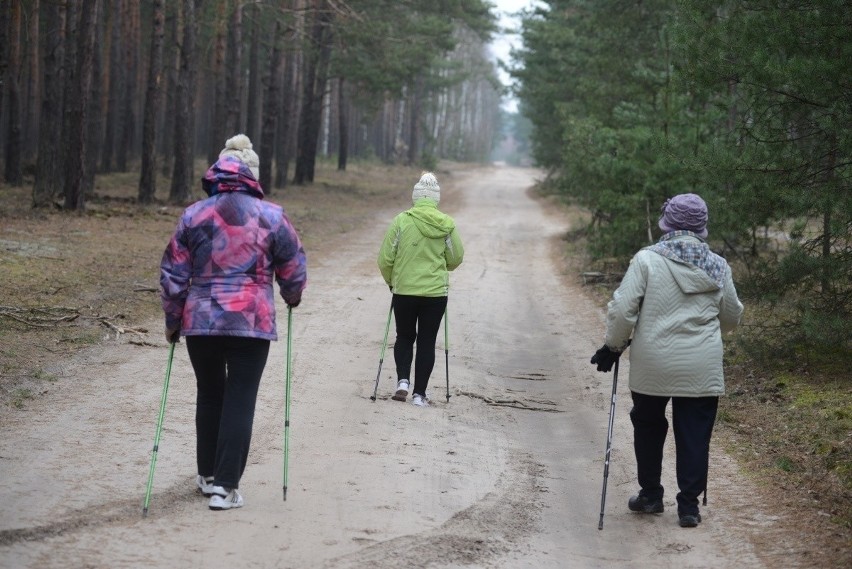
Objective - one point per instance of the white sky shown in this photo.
(503, 42)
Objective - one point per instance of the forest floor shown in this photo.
(75, 287)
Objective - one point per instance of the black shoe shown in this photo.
(689, 520)
(645, 505)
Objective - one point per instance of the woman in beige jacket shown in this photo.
(676, 299)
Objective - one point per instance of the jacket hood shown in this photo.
(429, 220)
(691, 279)
(230, 174)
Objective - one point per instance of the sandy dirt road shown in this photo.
(507, 474)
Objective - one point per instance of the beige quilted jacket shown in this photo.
(677, 316)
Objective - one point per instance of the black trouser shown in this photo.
(417, 318)
(227, 374)
(692, 419)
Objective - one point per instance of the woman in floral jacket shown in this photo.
(216, 277)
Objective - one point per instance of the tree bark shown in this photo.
(315, 75)
(94, 116)
(115, 79)
(148, 175)
(184, 150)
(270, 117)
(219, 129)
(47, 183)
(129, 96)
(33, 83)
(233, 105)
(171, 57)
(78, 107)
(287, 123)
(13, 171)
(343, 126)
(254, 88)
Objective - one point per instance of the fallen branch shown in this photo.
(514, 403)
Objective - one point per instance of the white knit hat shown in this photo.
(239, 147)
(427, 187)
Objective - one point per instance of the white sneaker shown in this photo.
(225, 499)
(420, 400)
(205, 484)
(401, 390)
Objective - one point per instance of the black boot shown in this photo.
(689, 520)
(645, 505)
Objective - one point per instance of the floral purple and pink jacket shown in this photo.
(217, 271)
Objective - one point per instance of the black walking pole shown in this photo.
(608, 441)
(447, 350)
(159, 430)
(382, 356)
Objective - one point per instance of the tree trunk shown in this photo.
(95, 116)
(253, 102)
(13, 171)
(270, 120)
(33, 83)
(47, 184)
(343, 126)
(78, 107)
(219, 129)
(414, 127)
(115, 79)
(286, 129)
(316, 70)
(130, 68)
(148, 175)
(234, 67)
(171, 57)
(184, 150)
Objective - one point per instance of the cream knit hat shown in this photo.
(427, 187)
(240, 147)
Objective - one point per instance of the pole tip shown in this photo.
(372, 397)
(285, 493)
(144, 512)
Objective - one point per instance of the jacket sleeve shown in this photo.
(289, 261)
(454, 253)
(175, 277)
(388, 250)
(623, 309)
(731, 309)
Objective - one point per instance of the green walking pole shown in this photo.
(447, 350)
(159, 430)
(287, 397)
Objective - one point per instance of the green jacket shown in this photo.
(420, 248)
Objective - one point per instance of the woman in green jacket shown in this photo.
(420, 247)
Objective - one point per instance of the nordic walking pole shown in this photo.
(287, 397)
(382, 356)
(447, 350)
(159, 429)
(608, 441)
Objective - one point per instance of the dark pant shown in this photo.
(693, 419)
(417, 318)
(227, 374)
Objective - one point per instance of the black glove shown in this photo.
(605, 358)
(293, 301)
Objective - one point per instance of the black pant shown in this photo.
(417, 318)
(227, 374)
(693, 419)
